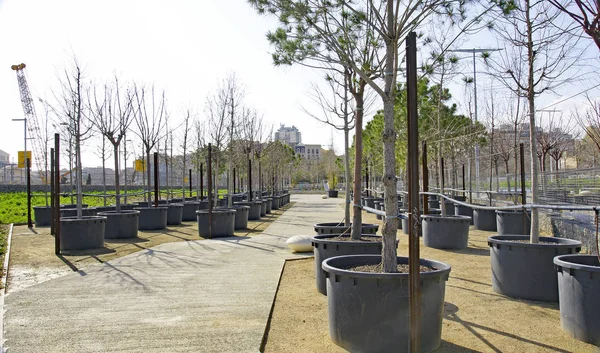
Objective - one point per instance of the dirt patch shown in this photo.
(379, 268)
(476, 319)
(32, 258)
(363, 238)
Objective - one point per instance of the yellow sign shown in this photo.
(21, 158)
(140, 165)
(185, 180)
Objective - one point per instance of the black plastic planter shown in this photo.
(340, 228)
(255, 209)
(325, 247)
(484, 219)
(72, 212)
(435, 203)
(369, 312)
(524, 270)
(153, 218)
(174, 213)
(461, 210)
(445, 232)
(578, 291)
(263, 208)
(513, 222)
(269, 203)
(42, 215)
(189, 211)
(275, 203)
(203, 205)
(82, 234)
(223, 223)
(369, 202)
(128, 207)
(378, 206)
(449, 207)
(241, 216)
(332, 193)
(121, 225)
(105, 208)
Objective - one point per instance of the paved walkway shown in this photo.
(197, 296)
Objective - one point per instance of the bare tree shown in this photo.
(151, 118)
(586, 13)
(184, 146)
(337, 105)
(72, 110)
(112, 113)
(540, 50)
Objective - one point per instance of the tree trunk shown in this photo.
(117, 185)
(347, 176)
(356, 209)
(533, 153)
(148, 175)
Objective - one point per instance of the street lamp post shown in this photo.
(474, 51)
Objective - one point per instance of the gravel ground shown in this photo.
(476, 319)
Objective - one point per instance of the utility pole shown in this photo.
(475, 51)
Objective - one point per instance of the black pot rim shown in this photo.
(448, 217)
(248, 203)
(441, 268)
(151, 208)
(115, 213)
(191, 202)
(175, 205)
(74, 219)
(217, 210)
(566, 261)
(341, 224)
(512, 211)
(508, 239)
(324, 239)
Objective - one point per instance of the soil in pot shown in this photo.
(122, 225)
(579, 293)
(360, 321)
(445, 232)
(524, 270)
(330, 245)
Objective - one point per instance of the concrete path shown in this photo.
(197, 296)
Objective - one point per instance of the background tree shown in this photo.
(150, 118)
(539, 51)
(112, 114)
(586, 13)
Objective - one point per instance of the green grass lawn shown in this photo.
(13, 206)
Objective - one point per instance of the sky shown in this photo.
(186, 47)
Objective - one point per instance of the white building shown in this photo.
(288, 135)
(309, 152)
(4, 158)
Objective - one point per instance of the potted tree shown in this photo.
(150, 115)
(522, 265)
(79, 232)
(112, 114)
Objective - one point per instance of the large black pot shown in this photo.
(241, 216)
(369, 201)
(223, 223)
(82, 234)
(369, 312)
(105, 208)
(579, 291)
(189, 211)
(326, 247)
(524, 270)
(174, 214)
(461, 210)
(263, 208)
(203, 205)
(332, 193)
(449, 207)
(378, 206)
(128, 207)
(42, 215)
(255, 209)
(513, 222)
(121, 225)
(276, 202)
(72, 212)
(152, 218)
(484, 219)
(433, 203)
(269, 203)
(73, 205)
(340, 228)
(445, 232)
